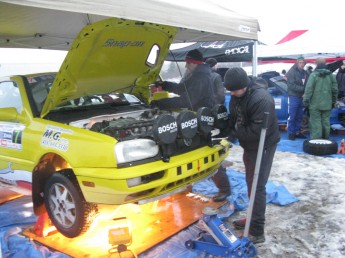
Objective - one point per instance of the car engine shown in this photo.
(129, 127)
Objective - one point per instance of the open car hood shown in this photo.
(112, 55)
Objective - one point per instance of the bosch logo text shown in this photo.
(169, 127)
(208, 119)
(191, 123)
(222, 115)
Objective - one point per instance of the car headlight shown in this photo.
(132, 150)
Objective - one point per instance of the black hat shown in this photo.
(235, 79)
(211, 61)
(194, 56)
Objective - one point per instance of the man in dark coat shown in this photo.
(341, 81)
(218, 88)
(296, 80)
(196, 90)
(249, 101)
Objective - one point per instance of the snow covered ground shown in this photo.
(314, 226)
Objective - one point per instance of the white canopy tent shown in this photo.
(320, 42)
(53, 24)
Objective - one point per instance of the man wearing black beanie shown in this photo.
(196, 91)
(218, 88)
(249, 101)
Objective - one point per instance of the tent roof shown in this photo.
(25, 24)
(223, 51)
(310, 44)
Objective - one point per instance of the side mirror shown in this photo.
(8, 114)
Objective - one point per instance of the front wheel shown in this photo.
(66, 206)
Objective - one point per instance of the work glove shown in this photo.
(163, 84)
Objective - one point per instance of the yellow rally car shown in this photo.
(87, 134)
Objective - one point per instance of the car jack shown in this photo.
(218, 239)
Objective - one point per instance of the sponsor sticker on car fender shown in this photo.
(53, 138)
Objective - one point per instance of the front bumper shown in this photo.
(152, 180)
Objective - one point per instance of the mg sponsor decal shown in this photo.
(53, 138)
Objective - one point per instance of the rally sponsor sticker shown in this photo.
(11, 135)
(53, 138)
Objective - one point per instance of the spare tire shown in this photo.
(320, 147)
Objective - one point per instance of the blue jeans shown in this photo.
(295, 114)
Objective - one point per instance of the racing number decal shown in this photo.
(11, 136)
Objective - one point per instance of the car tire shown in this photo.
(320, 147)
(67, 209)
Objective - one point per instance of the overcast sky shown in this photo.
(277, 18)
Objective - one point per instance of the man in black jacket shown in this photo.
(196, 90)
(218, 88)
(341, 81)
(249, 101)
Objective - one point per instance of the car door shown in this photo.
(14, 168)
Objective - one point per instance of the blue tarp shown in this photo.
(17, 215)
(296, 146)
(278, 195)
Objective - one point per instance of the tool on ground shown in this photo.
(119, 235)
(218, 239)
(256, 174)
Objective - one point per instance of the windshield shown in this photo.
(40, 86)
(280, 81)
